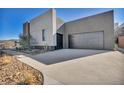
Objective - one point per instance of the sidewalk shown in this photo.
(39, 66)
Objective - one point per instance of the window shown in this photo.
(43, 35)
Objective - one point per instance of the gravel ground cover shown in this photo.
(14, 72)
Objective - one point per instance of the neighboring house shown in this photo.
(119, 29)
(119, 35)
(93, 32)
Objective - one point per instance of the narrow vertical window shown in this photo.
(43, 35)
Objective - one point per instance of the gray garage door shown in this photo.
(87, 40)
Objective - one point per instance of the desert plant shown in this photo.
(29, 78)
(6, 59)
(24, 41)
(45, 47)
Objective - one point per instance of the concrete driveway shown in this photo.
(105, 67)
(58, 56)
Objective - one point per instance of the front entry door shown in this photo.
(59, 41)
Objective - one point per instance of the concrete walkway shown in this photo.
(105, 68)
(39, 66)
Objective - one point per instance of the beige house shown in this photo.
(93, 32)
(121, 41)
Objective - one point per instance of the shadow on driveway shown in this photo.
(64, 55)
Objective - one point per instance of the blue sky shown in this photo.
(12, 19)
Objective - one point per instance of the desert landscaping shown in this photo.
(14, 72)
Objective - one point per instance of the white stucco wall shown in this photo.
(45, 21)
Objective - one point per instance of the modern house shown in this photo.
(93, 32)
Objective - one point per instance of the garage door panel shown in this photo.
(87, 40)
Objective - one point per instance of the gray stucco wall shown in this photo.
(48, 21)
(100, 22)
(45, 21)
